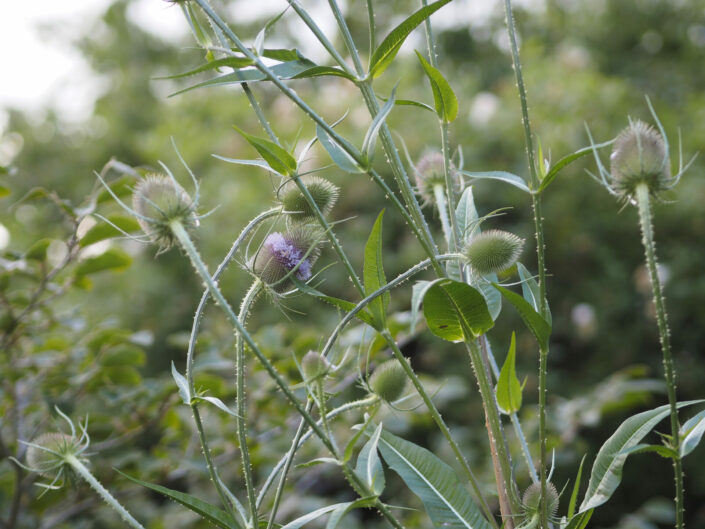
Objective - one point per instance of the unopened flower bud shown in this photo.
(492, 251)
(314, 366)
(639, 156)
(388, 380)
(323, 192)
(159, 201)
(280, 253)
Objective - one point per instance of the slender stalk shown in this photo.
(538, 226)
(489, 402)
(187, 246)
(347, 37)
(647, 237)
(241, 420)
(81, 470)
(371, 24)
(440, 423)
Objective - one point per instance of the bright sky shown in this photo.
(40, 69)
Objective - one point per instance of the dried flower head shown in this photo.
(388, 380)
(492, 251)
(639, 156)
(158, 201)
(532, 499)
(281, 253)
(323, 192)
(430, 172)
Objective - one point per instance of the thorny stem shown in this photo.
(241, 420)
(647, 238)
(81, 469)
(440, 423)
(538, 225)
(187, 246)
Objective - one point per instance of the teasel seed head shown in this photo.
(492, 251)
(639, 156)
(280, 253)
(159, 201)
(389, 380)
(430, 172)
(47, 454)
(532, 499)
(323, 192)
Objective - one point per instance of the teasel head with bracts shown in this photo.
(295, 205)
(287, 254)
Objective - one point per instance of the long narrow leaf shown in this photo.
(508, 386)
(369, 467)
(607, 470)
(368, 144)
(373, 274)
(538, 326)
(340, 156)
(389, 47)
(447, 501)
(691, 433)
(502, 176)
(210, 513)
(443, 96)
(566, 160)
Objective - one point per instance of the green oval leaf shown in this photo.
(538, 326)
(389, 47)
(508, 389)
(456, 311)
(607, 470)
(443, 96)
(373, 277)
(277, 157)
(103, 231)
(112, 259)
(447, 501)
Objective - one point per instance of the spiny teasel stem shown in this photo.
(643, 200)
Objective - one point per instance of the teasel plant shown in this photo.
(639, 174)
(460, 305)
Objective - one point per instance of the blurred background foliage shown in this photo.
(100, 344)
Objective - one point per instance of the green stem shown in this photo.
(538, 225)
(450, 187)
(440, 423)
(241, 420)
(347, 37)
(647, 237)
(371, 24)
(81, 470)
(504, 468)
(187, 245)
(442, 206)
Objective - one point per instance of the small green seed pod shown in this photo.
(280, 253)
(492, 251)
(314, 366)
(639, 156)
(430, 172)
(389, 380)
(532, 499)
(48, 456)
(323, 192)
(160, 201)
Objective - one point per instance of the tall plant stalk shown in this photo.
(538, 228)
(643, 200)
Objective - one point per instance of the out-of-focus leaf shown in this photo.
(103, 230)
(113, 259)
(182, 384)
(38, 250)
(576, 489)
(209, 512)
(232, 62)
